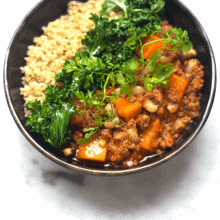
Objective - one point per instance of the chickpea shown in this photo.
(165, 59)
(172, 107)
(117, 91)
(67, 151)
(188, 55)
(110, 109)
(112, 124)
(146, 71)
(191, 65)
(133, 135)
(137, 90)
(150, 106)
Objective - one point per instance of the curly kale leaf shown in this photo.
(59, 133)
(50, 120)
(107, 39)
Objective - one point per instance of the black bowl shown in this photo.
(48, 10)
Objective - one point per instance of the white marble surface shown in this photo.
(33, 187)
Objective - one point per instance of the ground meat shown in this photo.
(162, 119)
(178, 71)
(106, 134)
(168, 57)
(165, 27)
(121, 138)
(73, 146)
(193, 103)
(158, 95)
(197, 74)
(180, 124)
(131, 123)
(167, 139)
(116, 153)
(197, 83)
(89, 117)
(143, 121)
(134, 158)
(119, 135)
(77, 135)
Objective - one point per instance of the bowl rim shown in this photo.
(120, 171)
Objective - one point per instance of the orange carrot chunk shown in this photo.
(128, 109)
(148, 138)
(176, 87)
(95, 150)
(151, 48)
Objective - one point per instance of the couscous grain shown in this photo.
(60, 41)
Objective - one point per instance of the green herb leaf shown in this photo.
(110, 5)
(59, 124)
(91, 132)
(179, 39)
(158, 77)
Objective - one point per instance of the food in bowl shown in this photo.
(128, 89)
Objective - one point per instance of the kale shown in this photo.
(51, 120)
(107, 39)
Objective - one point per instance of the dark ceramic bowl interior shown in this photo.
(48, 10)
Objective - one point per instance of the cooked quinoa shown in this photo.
(60, 41)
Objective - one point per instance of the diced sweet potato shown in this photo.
(128, 109)
(148, 138)
(176, 87)
(95, 150)
(151, 48)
